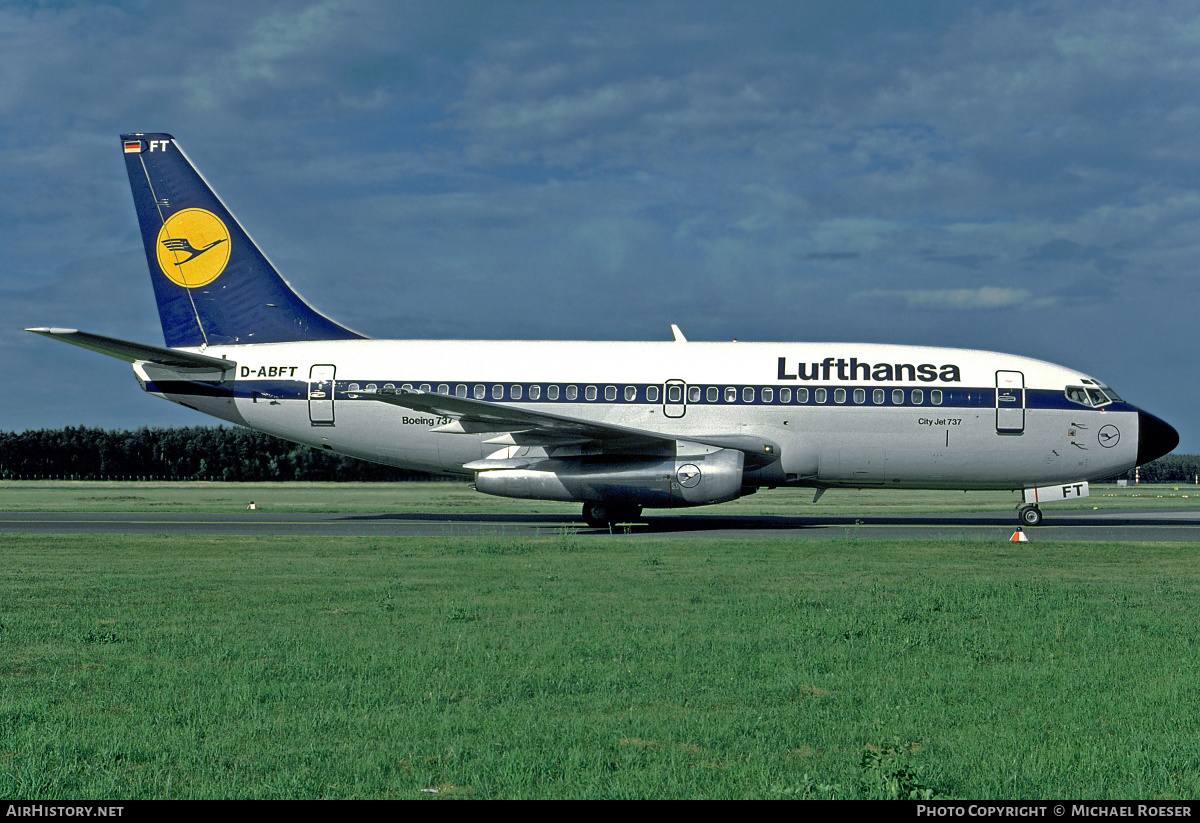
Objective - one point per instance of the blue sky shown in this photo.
(1016, 176)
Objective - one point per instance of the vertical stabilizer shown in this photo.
(212, 284)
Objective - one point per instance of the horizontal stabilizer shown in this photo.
(132, 352)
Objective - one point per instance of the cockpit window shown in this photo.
(1090, 395)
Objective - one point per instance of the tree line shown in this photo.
(189, 453)
(1171, 468)
(240, 454)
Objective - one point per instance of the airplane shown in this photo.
(616, 426)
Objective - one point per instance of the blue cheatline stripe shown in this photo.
(970, 398)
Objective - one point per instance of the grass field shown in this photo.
(564, 667)
(34, 495)
(573, 666)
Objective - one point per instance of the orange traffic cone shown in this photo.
(1019, 537)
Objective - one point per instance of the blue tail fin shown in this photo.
(212, 284)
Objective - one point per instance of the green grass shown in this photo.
(37, 495)
(574, 666)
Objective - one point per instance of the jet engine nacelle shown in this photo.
(654, 482)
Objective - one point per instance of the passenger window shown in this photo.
(652, 394)
(610, 393)
(630, 393)
(785, 395)
(552, 392)
(918, 396)
(801, 395)
(461, 390)
(497, 392)
(693, 394)
(839, 395)
(392, 386)
(712, 394)
(674, 393)
(589, 393)
(897, 397)
(424, 386)
(514, 392)
(730, 394)
(372, 387)
(747, 395)
(821, 395)
(535, 392)
(768, 395)
(443, 388)
(935, 397)
(860, 396)
(572, 392)
(480, 391)
(877, 397)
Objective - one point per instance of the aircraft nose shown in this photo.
(1156, 437)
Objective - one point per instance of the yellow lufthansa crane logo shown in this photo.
(193, 248)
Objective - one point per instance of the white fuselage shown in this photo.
(843, 414)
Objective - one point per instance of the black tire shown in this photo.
(599, 515)
(596, 515)
(1030, 516)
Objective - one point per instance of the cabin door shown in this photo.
(674, 398)
(320, 395)
(1010, 402)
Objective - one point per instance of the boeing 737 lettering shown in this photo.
(616, 426)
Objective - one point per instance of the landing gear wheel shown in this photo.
(595, 515)
(599, 515)
(1030, 516)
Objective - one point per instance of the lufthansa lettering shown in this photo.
(855, 370)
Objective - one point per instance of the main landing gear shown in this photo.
(599, 515)
(1030, 516)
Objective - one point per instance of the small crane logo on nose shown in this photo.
(1109, 436)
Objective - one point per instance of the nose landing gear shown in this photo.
(1030, 516)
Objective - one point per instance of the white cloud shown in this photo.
(983, 298)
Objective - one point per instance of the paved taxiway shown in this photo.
(1157, 525)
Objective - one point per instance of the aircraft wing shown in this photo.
(523, 427)
(132, 352)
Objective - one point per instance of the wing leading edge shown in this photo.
(516, 426)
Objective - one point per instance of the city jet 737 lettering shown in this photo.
(615, 426)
